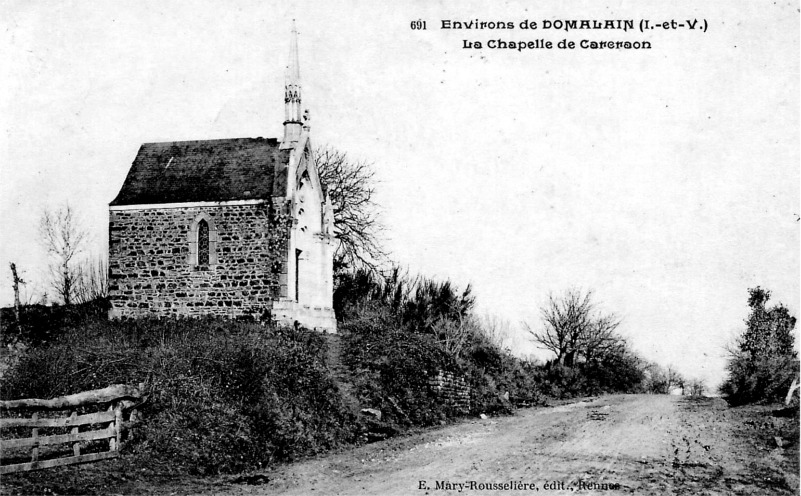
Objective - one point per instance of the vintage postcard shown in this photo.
(353, 247)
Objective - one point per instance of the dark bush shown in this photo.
(763, 359)
(615, 373)
(563, 382)
(762, 380)
(391, 368)
(223, 396)
(39, 323)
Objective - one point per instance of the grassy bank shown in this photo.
(222, 396)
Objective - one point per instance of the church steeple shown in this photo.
(293, 122)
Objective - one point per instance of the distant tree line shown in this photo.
(587, 346)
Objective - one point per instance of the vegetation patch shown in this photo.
(763, 361)
(223, 396)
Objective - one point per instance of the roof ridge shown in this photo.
(192, 142)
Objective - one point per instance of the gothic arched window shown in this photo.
(203, 242)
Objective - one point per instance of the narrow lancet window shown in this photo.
(202, 242)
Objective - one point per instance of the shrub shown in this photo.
(391, 367)
(763, 361)
(564, 382)
(766, 379)
(614, 373)
(223, 396)
(39, 323)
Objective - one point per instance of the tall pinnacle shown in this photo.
(292, 110)
(293, 68)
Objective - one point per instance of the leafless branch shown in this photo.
(350, 187)
(64, 239)
(573, 328)
(91, 280)
(496, 329)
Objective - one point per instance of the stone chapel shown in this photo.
(231, 227)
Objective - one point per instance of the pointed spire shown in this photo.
(293, 68)
(292, 109)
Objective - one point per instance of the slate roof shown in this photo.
(195, 171)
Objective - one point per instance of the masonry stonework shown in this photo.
(451, 389)
(153, 270)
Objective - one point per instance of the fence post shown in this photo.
(112, 441)
(118, 423)
(34, 436)
(76, 446)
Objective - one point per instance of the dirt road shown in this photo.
(616, 444)
(648, 444)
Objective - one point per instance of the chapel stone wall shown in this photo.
(153, 269)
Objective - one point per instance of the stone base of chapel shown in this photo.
(287, 312)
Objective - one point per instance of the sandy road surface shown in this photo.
(634, 444)
(640, 444)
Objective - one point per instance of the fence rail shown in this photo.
(118, 397)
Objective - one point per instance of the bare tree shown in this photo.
(572, 327)
(64, 238)
(350, 187)
(656, 381)
(696, 387)
(565, 321)
(496, 329)
(452, 334)
(92, 280)
(674, 379)
(662, 380)
(601, 338)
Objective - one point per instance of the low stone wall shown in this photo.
(451, 389)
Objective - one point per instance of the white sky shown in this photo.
(665, 180)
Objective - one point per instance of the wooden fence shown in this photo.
(83, 428)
